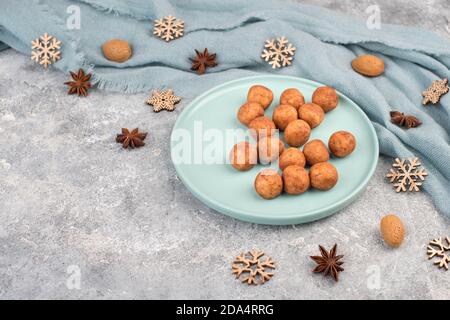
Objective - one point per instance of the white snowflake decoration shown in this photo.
(45, 50)
(168, 28)
(407, 176)
(278, 52)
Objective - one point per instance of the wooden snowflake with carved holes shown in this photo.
(163, 100)
(45, 50)
(251, 268)
(436, 248)
(168, 28)
(278, 52)
(407, 175)
(434, 93)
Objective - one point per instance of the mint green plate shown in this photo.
(230, 192)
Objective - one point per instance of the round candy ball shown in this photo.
(323, 175)
(316, 151)
(261, 95)
(292, 156)
(268, 184)
(261, 127)
(297, 133)
(243, 156)
(342, 143)
(311, 113)
(249, 111)
(295, 180)
(269, 149)
(292, 97)
(326, 97)
(283, 115)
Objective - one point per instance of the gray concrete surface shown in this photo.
(72, 202)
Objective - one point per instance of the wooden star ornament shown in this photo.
(163, 100)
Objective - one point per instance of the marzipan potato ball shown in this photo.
(243, 156)
(311, 113)
(341, 143)
(268, 184)
(262, 126)
(261, 95)
(269, 149)
(249, 111)
(295, 180)
(297, 119)
(283, 115)
(292, 156)
(323, 175)
(316, 151)
(297, 133)
(292, 97)
(326, 97)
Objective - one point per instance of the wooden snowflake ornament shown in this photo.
(436, 248)
(163, 100)
(434, 93)
(278, 52)
(407, 176)
(251, 268)
(45, 50)
(168, 28)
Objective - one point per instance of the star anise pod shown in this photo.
(328, 262)
(407, 121)
(203, 60)
(133, 139)
(80, 84)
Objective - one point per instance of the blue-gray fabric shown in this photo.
(326, 43)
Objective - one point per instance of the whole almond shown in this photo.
(368, 65)
(117, 50)
(392, 230)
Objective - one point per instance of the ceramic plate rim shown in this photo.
(306, 217)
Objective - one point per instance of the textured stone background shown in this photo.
(70, 196)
